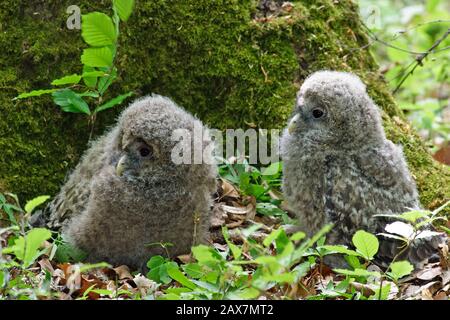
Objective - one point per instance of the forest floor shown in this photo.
(253, 254)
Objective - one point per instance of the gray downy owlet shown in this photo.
(339, 167)
(127, 196)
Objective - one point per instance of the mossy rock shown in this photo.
(221, 60)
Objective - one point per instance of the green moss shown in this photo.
(211, 57)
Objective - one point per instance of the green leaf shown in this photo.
(385, 290)
(89, 76)
(97, 57)
(280, 278)
(400, 269)
(70, 101)
(272, 236)
(65, 252)
(34, 240)
(194, 270)
(413, 216)
(113, 102)
(353, 262)
(432, 5)
(298, 236)
(299, 252)
(366, 244)
(32, 204)
(98, 29)
(163, 275)
(124, 8)
(214, 288)
(171, 296)
(234, 248)
(3, 278)
(175, 273)
(105, 82)
(269, 209)
(154, 264)
(94, 73)
(282, 241)
(204, 254)
(447, 230)
(272, 170)
(178, 291)
(87, 267)
(72, 79)
(9, 209)
(91, 94)
(247, 232)
(357, 273)
(243, 294)
(339, 249)
(26, 248)
(301, 270)
(34, 93)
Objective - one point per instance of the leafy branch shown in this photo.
(101, 33)
(419, 59)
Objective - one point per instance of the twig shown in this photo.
(419, 59)
(399, 33)
(374, 38)
(402, 72)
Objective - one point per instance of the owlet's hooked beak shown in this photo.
(293, 124)
(121, 166)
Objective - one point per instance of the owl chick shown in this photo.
(127, 196)
(340, 168)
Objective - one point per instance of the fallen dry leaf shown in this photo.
(186, 258)
(73, 277)
(144, 285)
(228, 190)
(445, 276)
(123, 272)
(429, 274)
(236, 210)
(46, 265)
(440, 296)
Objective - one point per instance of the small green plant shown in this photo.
(65, 252)
(84, 93)
(9, 208)
(262, 183)
(24, 247)
(27, 248)
(231, 274)
(13, 209)
(25, 243)
(280, 263)
(408, 225)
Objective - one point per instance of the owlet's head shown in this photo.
(334, 110)
(145, 143)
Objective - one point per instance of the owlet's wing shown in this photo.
(74, 194)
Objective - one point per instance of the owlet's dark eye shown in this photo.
(144, 151)
(317, 113)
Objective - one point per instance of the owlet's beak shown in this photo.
(121, 166)
(293, 124)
